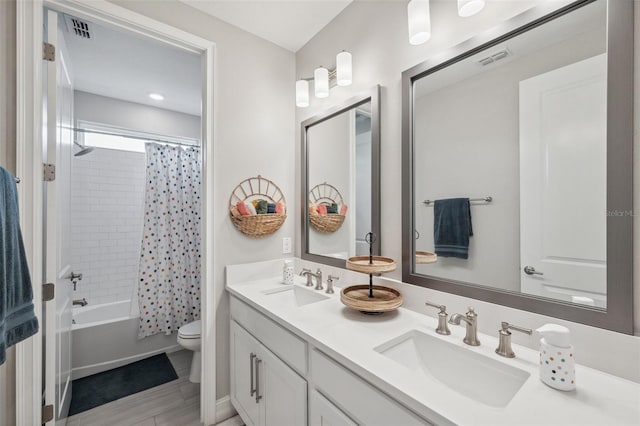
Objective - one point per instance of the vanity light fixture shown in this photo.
(321, 82)
(419, 18)
(323, 79)
(468, 8)
(156, 96)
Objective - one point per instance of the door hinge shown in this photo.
(48, 52)
(47, 413)
(48, 291)
(49, 172)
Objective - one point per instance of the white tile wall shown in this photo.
(107, 207)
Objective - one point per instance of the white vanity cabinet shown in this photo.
(322, 412)
(264, 390)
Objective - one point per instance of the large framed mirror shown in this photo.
(341, 180)
(517, 166)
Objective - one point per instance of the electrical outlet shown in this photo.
(286, 245)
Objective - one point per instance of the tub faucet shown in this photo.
(471, 319)
(80, 302)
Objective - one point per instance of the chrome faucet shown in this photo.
(443, 328)
(471, 319)
(330, 279)
(504, 346)
(80, 302)
(310, 276)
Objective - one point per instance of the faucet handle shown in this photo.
(330, 279)
(505, 327)
(443, 327)
(504, 345)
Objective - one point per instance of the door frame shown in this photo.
(29, 159)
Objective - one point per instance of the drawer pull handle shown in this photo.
(258, 396)
(251, 388)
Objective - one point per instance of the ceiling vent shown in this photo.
(78, 27)
(494, 57)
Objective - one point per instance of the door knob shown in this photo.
(530, 270)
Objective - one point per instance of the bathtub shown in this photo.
(106, 336)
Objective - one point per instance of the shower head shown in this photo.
(84, 150)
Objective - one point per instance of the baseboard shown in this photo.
(224, 409)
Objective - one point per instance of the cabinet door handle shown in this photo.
(251, 388)
(258, 396)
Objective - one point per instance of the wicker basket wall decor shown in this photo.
(325, 193)
(257, 225)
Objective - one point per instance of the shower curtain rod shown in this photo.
(98, 132)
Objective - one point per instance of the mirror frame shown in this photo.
(620, 55)
(372, 96)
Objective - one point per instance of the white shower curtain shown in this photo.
(169, 272)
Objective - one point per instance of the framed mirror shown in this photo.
(341, 180)
(517, 166)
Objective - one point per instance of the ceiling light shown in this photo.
(302, 93)
(343, 69)
(156, 96)
(321, 82)
(468, 8)
(419, 21)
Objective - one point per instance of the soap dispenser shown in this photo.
(557, 363)
(287, 272)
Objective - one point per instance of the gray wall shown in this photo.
(133, 116)
(376, 34)
(467, 146)
(7, 160)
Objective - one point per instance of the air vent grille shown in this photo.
(78, 27)
(496, 56)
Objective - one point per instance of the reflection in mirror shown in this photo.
(340, 155)
(510, 182)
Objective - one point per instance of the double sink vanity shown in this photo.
(299, 356)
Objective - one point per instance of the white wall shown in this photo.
(467, 146)
(133, 116)
(253, 134)
(376, 34)
(107, 211)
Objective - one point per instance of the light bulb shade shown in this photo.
(321, 82)
(419, 21)
(468, 8)
(302, 93)
(344, 70)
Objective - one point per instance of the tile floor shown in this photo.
(176, 403)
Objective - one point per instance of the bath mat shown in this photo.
(93, 391)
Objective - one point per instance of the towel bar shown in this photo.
(485, 199)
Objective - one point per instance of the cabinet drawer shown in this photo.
(359, 399)
(286, 345)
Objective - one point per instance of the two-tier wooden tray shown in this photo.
(371, 299)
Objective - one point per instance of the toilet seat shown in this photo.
(191, 330)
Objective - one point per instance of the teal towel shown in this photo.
(452, 227)
(17, 317)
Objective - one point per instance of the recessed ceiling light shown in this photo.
(156, 96)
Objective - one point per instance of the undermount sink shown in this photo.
(295, 296)
(471, 374)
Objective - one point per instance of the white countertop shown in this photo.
(350, 337)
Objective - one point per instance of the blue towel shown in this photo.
(17, 318)
(452, 227)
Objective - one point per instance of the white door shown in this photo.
(563, 183)
(323, 413)
(59, 120)
(244, 350)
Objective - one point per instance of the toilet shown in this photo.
(189, 338)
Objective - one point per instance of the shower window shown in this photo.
(111, 137)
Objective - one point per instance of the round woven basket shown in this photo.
(329, 223)
(258, 225)
(326, 224)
